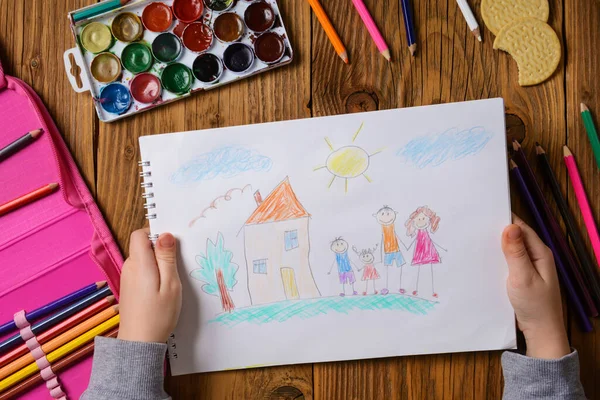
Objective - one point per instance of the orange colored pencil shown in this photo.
(27, 198)
(57, 367)
(330, 31)
(60, 340)
(58, 329)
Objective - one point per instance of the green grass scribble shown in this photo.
(308, 308)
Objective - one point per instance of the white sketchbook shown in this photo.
(355, 236)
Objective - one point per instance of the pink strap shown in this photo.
(2, 78)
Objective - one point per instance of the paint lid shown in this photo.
(127, 27)
(259, 17)
(187, 10)
(177, 78)
(96, 37)
(269, 47)
(218, 5)
(105, 67)
(157, 17)
(115, 98)
(166, 47)
(197, 37)
(136, 58)
(238, 58)
(207, 68)
(228, 27)
(145, 87)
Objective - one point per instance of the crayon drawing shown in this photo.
(277, 248)
(369, 271)
(453, 144)
(223, 162)
(347, 162)
(391, 252)
(228, 196)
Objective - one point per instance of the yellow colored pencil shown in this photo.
(60, 340)
(60, 352)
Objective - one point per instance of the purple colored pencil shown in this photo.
(53, 306)
(584, 322)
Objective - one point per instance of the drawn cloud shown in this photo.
(453, 144)
(224, 162)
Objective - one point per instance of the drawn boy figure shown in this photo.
(390, 248)
(340, 247)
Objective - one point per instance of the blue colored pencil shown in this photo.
(409, 25)
(98, 8)
(49, 322)
(55, 305)
(584, 322)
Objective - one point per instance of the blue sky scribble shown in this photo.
(223, 162)
(453, 144)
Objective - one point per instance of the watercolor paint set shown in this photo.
(151, 52)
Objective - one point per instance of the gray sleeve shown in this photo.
(124, 370)
(533, 378)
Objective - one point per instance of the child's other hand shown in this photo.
(534, 291)
(150, 289)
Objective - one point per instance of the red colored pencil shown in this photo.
(27, 198)
(59, 366)
(58, 329)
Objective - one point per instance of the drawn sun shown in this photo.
(347, 162)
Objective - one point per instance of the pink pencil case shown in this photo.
(57, 244)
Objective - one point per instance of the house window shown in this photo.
(291, 240)
(260, 266)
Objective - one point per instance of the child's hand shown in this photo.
(534, 291)
(150, 289)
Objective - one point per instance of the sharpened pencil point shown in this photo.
(513, 164)
(516, 145)
(539, 149)
(567, 151)
(36, 133)
(100, 284)
(110, 299)
(477, 33)
(386, 54)
(584, 107)
(413, 49)
(53, 186)
(344, 57)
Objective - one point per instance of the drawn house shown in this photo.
(277, 247)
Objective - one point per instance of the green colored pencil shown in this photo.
(591, 131)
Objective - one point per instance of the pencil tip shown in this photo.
(413, 49)
(53, 186)
(539, 149)
(116, 307)
(344, 57)
(110, 298)
(516, 145)
(584, 107)
(479, 38)
(35, 133)
(100, 284)
(386, 54)
(477, 33)
(513, 164)
(567, 151)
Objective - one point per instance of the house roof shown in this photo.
(280, 205)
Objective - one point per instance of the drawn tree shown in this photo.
(217, 272)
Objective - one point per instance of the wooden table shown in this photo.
(450, 66)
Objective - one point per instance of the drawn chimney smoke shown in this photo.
(258, 198)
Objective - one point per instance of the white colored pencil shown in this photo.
(471, 21)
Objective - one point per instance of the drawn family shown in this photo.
(419, 225)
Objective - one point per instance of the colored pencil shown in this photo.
(97, 9)
(53, 306)
(55, 343)
(470, 18)
(53, 320)
(584, 322)
(330, 31)
(372, 28)
(57, 367)
(584, 205)
(61, 352)
(409, 26)
(19, 144)
(560, 241)
(590, 272)
(590, 128)
(27, 198)
(59, 328)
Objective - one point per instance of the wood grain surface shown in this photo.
(450, 65)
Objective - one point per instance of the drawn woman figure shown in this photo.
(422, 221)
(369, 271)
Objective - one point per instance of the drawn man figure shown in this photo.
(340, 247)
(390, 248)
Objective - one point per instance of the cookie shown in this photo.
(535, 47)
(497, 13)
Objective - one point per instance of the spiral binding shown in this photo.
(172, 349)
(147, 194)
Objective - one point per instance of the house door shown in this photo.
(289, 283)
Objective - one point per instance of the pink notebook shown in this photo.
(55, 245)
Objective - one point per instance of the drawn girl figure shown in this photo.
(369, 271)
(422, 221)
(340, 247)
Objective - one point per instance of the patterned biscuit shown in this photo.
(535, 47)
(497, 13)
